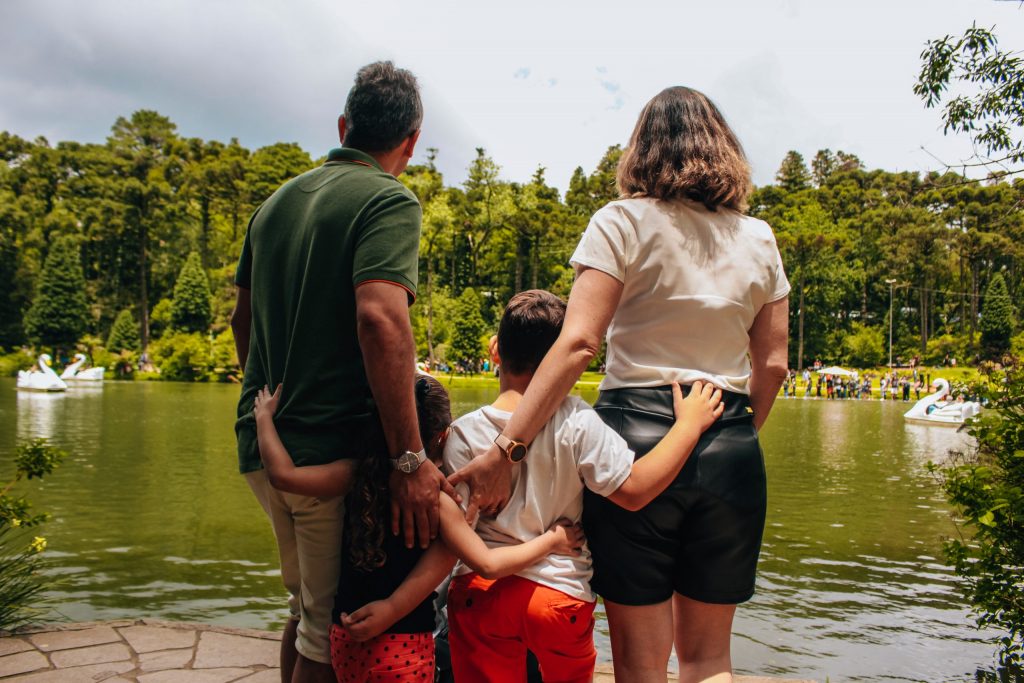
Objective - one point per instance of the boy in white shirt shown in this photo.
(548, 607)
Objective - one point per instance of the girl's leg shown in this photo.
(641, 641)
(702, 635)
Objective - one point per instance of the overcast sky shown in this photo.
(535, 83)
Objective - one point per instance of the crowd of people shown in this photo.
(886, 386)
(654, 498)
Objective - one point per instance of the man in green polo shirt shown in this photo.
(327, 272)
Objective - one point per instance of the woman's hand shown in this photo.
(370, 620)
(701, 407)
(265, 404)
(566, 538)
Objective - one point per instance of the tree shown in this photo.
(793, 175)
(468, 328)
(996, 318)
(864, 347)
(190, 307)
(124, 335)
(59, 314)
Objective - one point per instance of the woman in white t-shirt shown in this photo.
(686, 288)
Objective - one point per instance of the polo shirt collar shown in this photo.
(341, 154)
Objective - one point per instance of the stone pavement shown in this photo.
(149, 651)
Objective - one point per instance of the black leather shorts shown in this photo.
(702, 536)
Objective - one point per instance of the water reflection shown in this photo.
(151, 519)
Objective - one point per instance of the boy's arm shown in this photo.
(332, 479)
(374, 618)
(494, 563)
(653, 473)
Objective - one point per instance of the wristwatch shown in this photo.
(409, 462)
(514, 450)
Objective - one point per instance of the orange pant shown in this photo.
(388, 658)
(492, 623)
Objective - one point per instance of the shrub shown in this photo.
(14, 361)
(21, 579)
(182, 356)
(986, 487)
(160, 319)
(864, 347)
(124, 334)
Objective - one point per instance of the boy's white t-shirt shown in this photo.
(574, 449)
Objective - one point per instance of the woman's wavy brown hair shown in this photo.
(368, 504)
(682, 148)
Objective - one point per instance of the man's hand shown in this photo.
(370, 620)
(414, 502)
(489, 478)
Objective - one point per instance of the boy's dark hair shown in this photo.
(383, 108)
(529, 326)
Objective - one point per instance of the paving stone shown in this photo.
(21, 662)
(193, 676)
(78, 674)
(265, 676)
(9, 645)
(166, 659)
(65, 640)
(224, 650)
(153, 638)
(97, 654)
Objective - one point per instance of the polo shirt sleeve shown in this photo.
(603, 458)
(387, 249)
(606, 243)
(243, 273)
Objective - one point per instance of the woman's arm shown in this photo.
(332, 479)
(375, 617)
(494, 563)
(595, 296)
(769, 362)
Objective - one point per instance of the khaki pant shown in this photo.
(308, 533)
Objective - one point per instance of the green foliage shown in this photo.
(124, 335)
(996, 318)
(468, 328)
(986, 487)
(59, 314)
(190, 308)
(14, 361)
(864, 346)
(183, 357)
(21, 565)
(160, 318)
(792, 175)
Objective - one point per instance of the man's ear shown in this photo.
(492, 350)
(342, 127)
(410, 144)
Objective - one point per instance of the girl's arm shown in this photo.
(592, 302)
(333, 479)
(374, 618)
(653, 473)
(563, 538)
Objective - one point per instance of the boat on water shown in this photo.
(43, 379)
(933, 410)
(73, 373)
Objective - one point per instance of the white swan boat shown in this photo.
(932, 410)
(43, 379)
(73, 374)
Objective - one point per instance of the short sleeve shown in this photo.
(243, 273)
(606, 243)
(603, 458)
(387, 249)
(779, 286)
(457, 454)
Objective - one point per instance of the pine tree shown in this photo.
(793, 175)
(10, 315)
(124, 335)
(468, 327)
(190, 308)
(996, 318)
(59, 314)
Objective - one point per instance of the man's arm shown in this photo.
(389, 354)
(241, 323)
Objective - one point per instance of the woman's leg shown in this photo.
(702, 635)
(641, 641)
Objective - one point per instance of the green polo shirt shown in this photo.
(307, 248)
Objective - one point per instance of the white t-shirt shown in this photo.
(574, 449)
(693, 281)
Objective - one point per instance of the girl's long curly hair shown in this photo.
(368, 504)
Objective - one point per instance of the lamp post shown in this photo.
(890, 283)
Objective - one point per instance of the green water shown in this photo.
(151, 519)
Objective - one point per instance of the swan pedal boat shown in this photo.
(945, 414)
(43, 379)
(73, 374)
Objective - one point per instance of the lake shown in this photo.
(151, 519)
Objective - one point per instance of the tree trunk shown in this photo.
(143, 290)
(924, 318)
(430, 309)
(800, 327)
(204, 231)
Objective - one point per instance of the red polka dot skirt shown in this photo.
(388, 658)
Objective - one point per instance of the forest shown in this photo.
(126, 250)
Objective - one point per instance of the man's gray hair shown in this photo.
(383, 108)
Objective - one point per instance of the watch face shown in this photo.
(408, 462)
(517, 452)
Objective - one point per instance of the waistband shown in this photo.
(657, 403)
